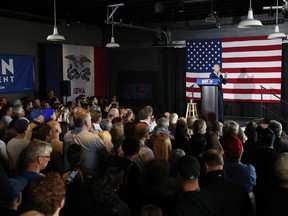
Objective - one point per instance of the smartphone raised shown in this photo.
(71, 176)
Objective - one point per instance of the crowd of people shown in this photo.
(94, 158)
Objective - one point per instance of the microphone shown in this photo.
(192, 86)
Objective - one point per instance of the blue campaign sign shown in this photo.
(16, 73)
(213, 82)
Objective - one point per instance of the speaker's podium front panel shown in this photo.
(209, 98)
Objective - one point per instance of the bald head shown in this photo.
(55, 127)
(141, 130)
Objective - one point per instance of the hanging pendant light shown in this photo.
(55, 36)
(112, 43)
(277, 34)
(250, 22)
(159, 7)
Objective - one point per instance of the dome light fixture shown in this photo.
(159, 7)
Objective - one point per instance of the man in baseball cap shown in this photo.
(243, 174)
(11, 195)
(18, 143)
(193, 201)
(37, 116)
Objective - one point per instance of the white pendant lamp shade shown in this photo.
(55, 37)
(158, 8)
(250, 22)
(277, 34)
(112, 44)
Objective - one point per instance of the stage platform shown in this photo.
(243, 121)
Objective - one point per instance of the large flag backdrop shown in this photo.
(251, 62)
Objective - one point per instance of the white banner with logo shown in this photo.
(78, 67)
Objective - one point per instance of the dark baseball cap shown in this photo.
(21, 125)
(188, 167)
(10, 189)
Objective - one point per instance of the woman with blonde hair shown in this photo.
(113, 113)
(190, 122)
(162, 147)
(199, 127)
(129, 116)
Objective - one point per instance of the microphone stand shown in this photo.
(192, 88)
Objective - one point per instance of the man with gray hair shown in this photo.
(173, 118)
(281, 142)
(93, 148)
(18, 111)
(37, 157)
(230, 128)
(161, 128)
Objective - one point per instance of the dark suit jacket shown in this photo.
(200, 203)
(221, 79)
(232, 199)
(281, 145)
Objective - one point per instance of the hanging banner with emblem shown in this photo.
(16, 73)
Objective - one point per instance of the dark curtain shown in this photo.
(173, 75)
(51, 69)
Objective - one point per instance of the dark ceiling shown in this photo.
(134, 11)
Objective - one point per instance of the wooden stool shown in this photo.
(191, 110)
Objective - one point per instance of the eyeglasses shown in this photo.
(46, 156)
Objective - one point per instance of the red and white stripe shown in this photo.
(251, 62)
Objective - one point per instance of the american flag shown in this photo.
(251, 62)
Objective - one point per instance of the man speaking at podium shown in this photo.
(216, 74)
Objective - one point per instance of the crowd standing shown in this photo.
(90, 157)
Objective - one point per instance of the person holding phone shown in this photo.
(74, 180)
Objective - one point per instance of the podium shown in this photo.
(209, 99)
